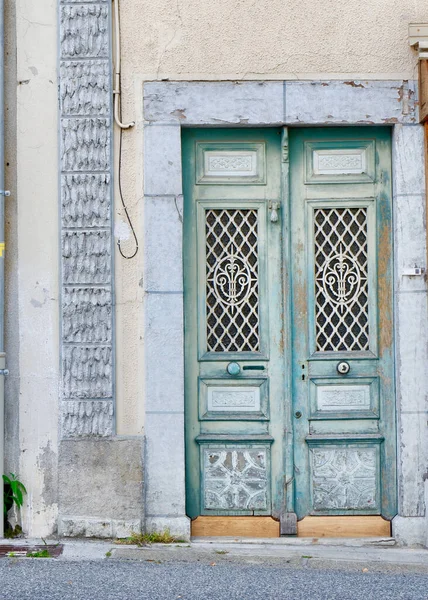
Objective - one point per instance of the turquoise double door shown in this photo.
(289, 375)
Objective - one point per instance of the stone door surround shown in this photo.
(169, 106)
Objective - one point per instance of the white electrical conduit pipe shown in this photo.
(116, 89)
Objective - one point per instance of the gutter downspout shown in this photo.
(2, 356)
(3, 193)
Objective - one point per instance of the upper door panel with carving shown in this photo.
(248, 168)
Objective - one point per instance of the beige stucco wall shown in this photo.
(269, 38)
(232, 39)
(32, 257)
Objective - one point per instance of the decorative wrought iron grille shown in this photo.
(341, 285)
(232, 287)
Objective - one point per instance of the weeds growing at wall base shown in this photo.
(144, 539)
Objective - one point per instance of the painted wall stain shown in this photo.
(48, 464)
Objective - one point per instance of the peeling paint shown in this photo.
(385, 300)
(353, 84)
(179, 112)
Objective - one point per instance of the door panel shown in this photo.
(233, 311)
(343, 393)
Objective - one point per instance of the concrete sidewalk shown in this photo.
(372, 553)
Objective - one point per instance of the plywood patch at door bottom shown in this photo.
(350, 527)
(256, 527)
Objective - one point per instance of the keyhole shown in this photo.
(303, 375)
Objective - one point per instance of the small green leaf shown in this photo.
(14, 492)
(19, 499)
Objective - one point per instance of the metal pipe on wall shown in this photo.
(117, 84)
(2, 253)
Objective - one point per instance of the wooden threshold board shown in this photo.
(351, 527)
(262, 527)
(314, 527)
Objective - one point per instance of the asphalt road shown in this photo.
(41, 579)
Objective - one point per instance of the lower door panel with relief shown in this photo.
(233, 310)
(342, 350)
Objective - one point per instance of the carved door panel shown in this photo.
(234, 386)
(342, 347)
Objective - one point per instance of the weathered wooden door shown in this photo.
(288, 323)
(233, 321)
(342, 342)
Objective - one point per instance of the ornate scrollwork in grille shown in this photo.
(232, 301)
(341, 285)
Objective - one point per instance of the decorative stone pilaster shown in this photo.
(87, 353)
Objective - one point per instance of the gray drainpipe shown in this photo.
(3, 193)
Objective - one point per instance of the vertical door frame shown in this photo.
(170, 105)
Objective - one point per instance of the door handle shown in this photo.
(274, 208)
(343, 367)
(233, 368)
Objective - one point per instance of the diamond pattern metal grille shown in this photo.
(232, 287)
(341, 286)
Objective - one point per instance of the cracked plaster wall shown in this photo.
(269, 38)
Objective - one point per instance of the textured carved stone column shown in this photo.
(86, 220)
